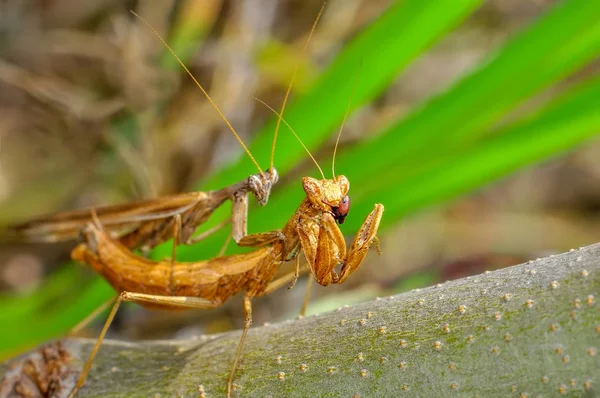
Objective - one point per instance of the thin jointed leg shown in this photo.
(187, 302)
(282, 281)
(176, 235)
(296, 273)
(184, 302)
(239, 215)
(309, 283)
(293, 277)
(208, 232)
(225, 245)
(86, 321)
(88, 364)
(238, 352)
(276, 284)
(261, 239)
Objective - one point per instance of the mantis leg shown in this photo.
(184, 302)
(366, 235)
(238, 220)
(282, 281)
(296, 272)
(261, 239)
(238, 351)
(239, 216)
(329, 250)
(253, 240)
(225, 246)
(309, 283)
(86, 321)
(239, 226)
(271, 287)
(176, 237)
(207, 233)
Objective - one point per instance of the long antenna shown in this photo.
(293, 132)
(203, 90)
(337, 141)
(289, 89)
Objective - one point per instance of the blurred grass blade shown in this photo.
(441, 127)
(565, 123)
(54, 317)
(30, 301)
(194, 21)
(559, 43)
(385, 47)
(388, 45)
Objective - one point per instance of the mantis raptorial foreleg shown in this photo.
(361, 243)
(239, 216)
(239, 226)
(238, 219)
(326, 252)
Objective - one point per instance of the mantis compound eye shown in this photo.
(340, 212)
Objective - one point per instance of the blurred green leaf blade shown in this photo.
(385, 47)
(560, 42)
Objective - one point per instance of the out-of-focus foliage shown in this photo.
(529, 99)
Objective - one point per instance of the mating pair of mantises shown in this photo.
(208, 284)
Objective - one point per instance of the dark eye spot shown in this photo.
(340, 212)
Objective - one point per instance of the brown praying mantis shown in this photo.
(145, 224)
(208, 284)
(312, 230)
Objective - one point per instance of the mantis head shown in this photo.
(329, 195)
(261, 184)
